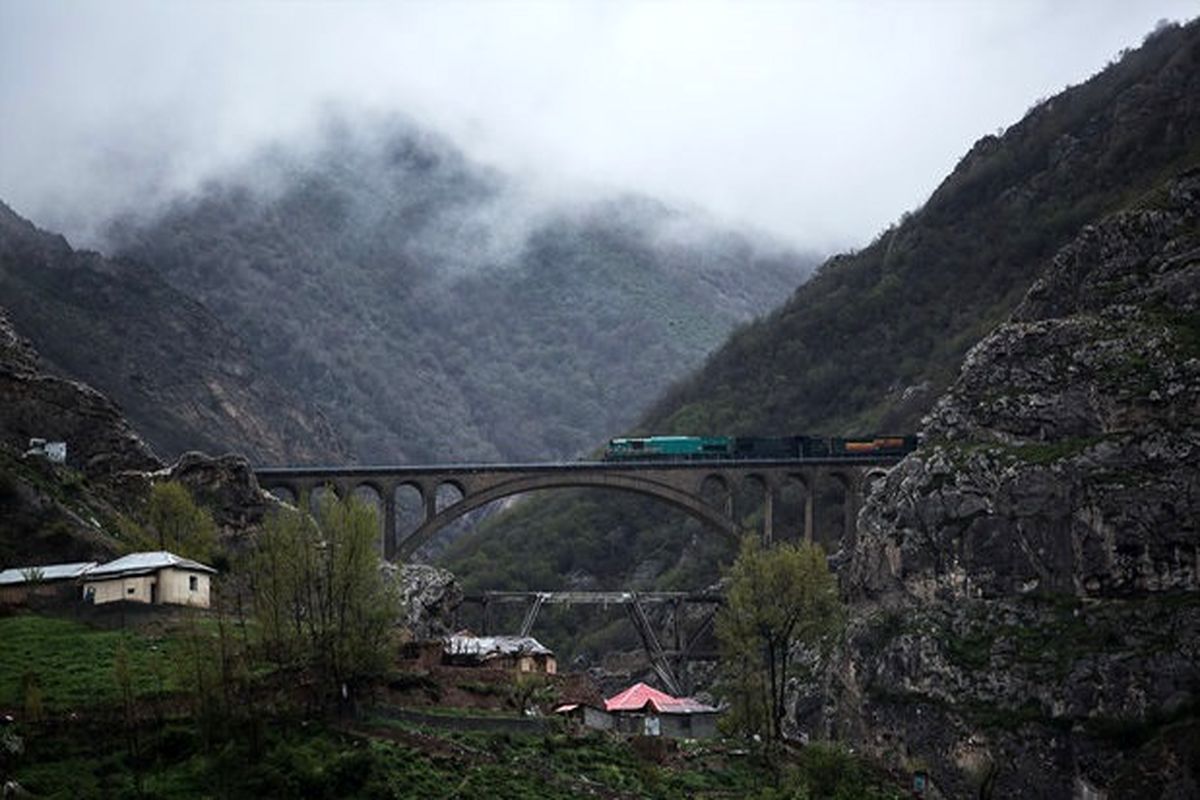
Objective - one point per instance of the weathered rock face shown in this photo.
(1026, 584)
(99, 440)
(428, 597)
(1064, 458)
(227, 486)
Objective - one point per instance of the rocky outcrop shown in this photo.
(226, 486)
(1063, 459)
(1025, 585)
(428, 597)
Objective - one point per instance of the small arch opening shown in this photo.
(448, 493)
(367, 493)
(410, 509)
(283, 494)
(829, 516)
(749, 504)
(714, 491)
(318, 496)
(789, 509)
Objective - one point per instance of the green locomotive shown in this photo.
(720, 448)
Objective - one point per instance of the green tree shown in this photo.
(320, 598)
(779, 599)
(182, 526)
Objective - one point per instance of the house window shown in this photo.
(131, 590)
(193, 583)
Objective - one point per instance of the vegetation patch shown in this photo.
(70, 666)
(1044, 453)
(970, 651)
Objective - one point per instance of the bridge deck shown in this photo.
(593, 598)
(366, 471)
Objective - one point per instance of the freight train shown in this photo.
(720, 448)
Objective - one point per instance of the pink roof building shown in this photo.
(645, 711)
(641, 697)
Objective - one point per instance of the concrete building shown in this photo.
(156, 578)
(583, 715)
(20, 586)
(55, 452)
(517, 653)
(644, 710)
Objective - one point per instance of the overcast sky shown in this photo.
(820, 122)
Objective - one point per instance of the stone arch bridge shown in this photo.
(705, 490)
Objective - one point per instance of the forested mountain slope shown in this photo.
(435, 310)
(184, 380)
(874, 337)
(903, 311)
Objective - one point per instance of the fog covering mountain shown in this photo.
(436, 310)
(871, 341)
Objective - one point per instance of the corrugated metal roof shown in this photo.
(140, 563)
(640, 696)
(47, 572)
(484, 646)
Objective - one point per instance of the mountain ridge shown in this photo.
(186, 381)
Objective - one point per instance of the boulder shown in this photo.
(428, 598)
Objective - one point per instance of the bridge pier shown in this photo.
(389, 522)
(850, 504)
(768, 532)
(810, 501)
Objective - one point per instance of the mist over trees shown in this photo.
(434, 309)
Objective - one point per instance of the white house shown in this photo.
(518, 653)
(157, 578)
(19, 585)
(51, 451)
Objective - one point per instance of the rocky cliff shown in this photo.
(36, 404)
(91, 507)
(1025, 586)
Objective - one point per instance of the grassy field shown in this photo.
(73, 664)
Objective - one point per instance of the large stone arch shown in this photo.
(683, 500)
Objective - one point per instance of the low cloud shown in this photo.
(819, 122)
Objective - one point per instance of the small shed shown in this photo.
(642, 709)
(586, 715)
(156, 578)
(55, 452)
(51, 582)
(518, 653)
